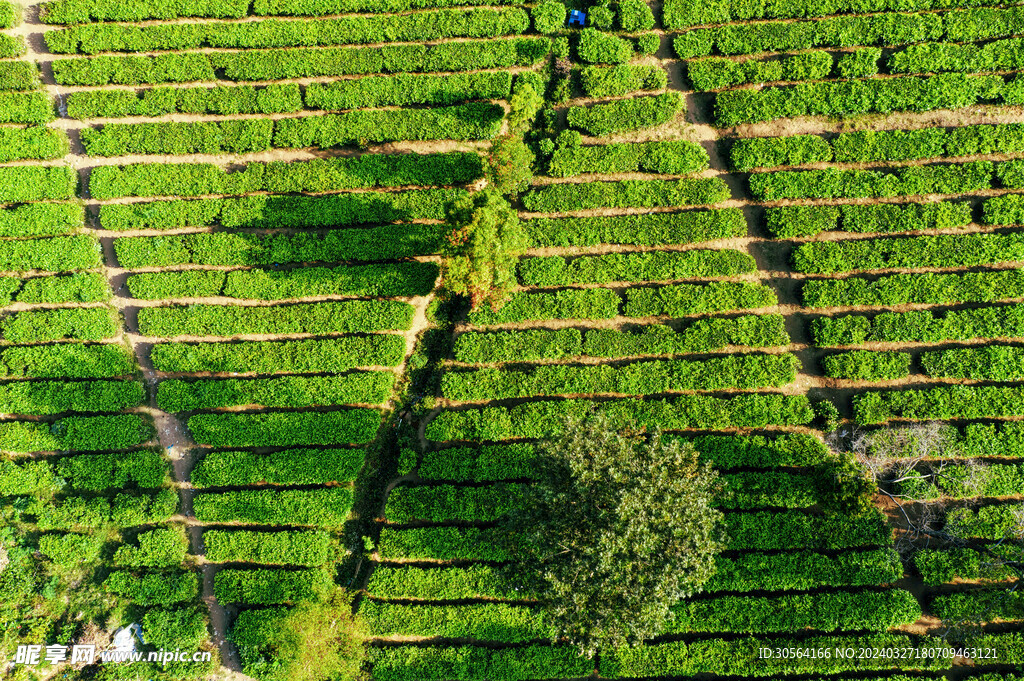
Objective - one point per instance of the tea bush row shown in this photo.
(566, 197)
(702, 335)
(306, 548)
(626, 114)
(952, 251)
(56, 397)
(285, 429)
(923, 287)
(321, 507)
(41, 219)
(640, 230)
(800, 221)
(621, 79)
(67, 360)
(646, 266)
(989, 363)
(57, 254)
(285, 467)
(864, 365)
(943, 403)
(369, 387)
(639, 378)
(87, 433)
(299, 356)
(538, 419)
(271, 587)
(670, 158)
(716, 73)
(921, 326)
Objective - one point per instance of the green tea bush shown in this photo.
(955, 250)
(988, 363)
(646, 266)
(85, 11)
(854, 184)
(41, 219)
(715, 73)
(899, 289)
(125, 510)
(285, 467)
(771, 152)
(96, 472)
(324, 507)
(337, 210)
(368, 387)
(634, 15)
(162, 101)
(648, 229)
(626, 114)
(566, 197)
(218, 137)
(702, 335)
(307, 548)
(999, 55)
(57, 254)
(566, 304)
(285, 429)
(298, 356)
(680, 14)
(848, 97)
(134, 70)
(318, 175)
(47, 325)
(548, 17)
(674, 158)
(445, 503)
(538, 419)
(19, 75)
(359, 316)
(406, 89)
(978, 606)
(621, 79)
(467, 55)
(677, 300)
(154, 588)
(489, 621)
(640, 378)
(473, 121)
(921, 326)
(987, 522)
(939, 566)
(597, 47)
(799, 221)
(26, 107)
(55, 397)
(75, 432)
(860, 63)
(804, 570)
(164, 547)
(477, 663)
(870, 610)
(864, 365)
(421, 26)
(271, 587)
(35, 183)
(67, 360)
(35, 142)
(944, 403)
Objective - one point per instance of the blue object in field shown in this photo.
(577, 18)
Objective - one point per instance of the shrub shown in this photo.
(921, 326)
(34, 142)
(898, 289)
(648, 229)
(324, 507)
(949, 402)
(57, 254)
(597, 47)
(221, 137)
(645, 266)
(161, 101)
(565, 197)
(989, 363)
(860, 63)
(154, 588)
(771, 152)
(406, 89)
(687, 299)
(305, 548)
(565, 304)
(272, 587)
(626, 114)
(621, 79)
(715, 73)
(635, 15)
(55, 397)
(549, 17)
(369, 387)
(41, 219)
(33, 183)
(864, 365)
(674, 158)
(285, 429)
(285, 467)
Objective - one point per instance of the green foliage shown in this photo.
(960, 251)
(798, 221)
(634, 15)
(566, 197)
(675, 158)
(76, 432)
(770, 152)
(406, 89)
(154, 588)
(998, 55)
(941, 566)
(548, 17)
(296, 547)
(988, 363)
(283, 429)
(626, 114)
(41, 219)
(162, 547)
(644, 266)
(646, 229)
(540, 419)
(360, 316)
(499, 622)
(87, 513)
(944, 403)
(687, 299)
(324, 507)
(622, 79)
(26, 107)
(106, 360)
(597, 47)
(303, 356)
(445, 503)
(318, 175)
(35, 142)
(161, 101)
(865, 365)
(919, 287)
(271, 587)
(314, 641)
(639, 378)
(509, 166)
(833, 183)
(36, 183)
(421, 26)
(715, 73)
(860, 63)
(640, 558)
(702, 335)
(473, 121)
(564, 304)
(47, 325)
(285, 467)
(57, 254)
(97, 472)
(476, 663)
(483, 249)
(219, 137)
(55, 397)
(368, 387)
(847, 97)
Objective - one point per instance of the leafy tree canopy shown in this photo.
(616, 530)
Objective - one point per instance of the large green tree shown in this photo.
(483, 248)
(617, 529)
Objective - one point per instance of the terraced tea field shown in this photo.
(231, 377)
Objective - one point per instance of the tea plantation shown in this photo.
(232, 378)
